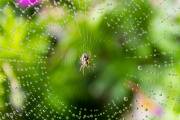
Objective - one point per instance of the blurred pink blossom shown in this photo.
(27, 3)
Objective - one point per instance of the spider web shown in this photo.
(133, 47)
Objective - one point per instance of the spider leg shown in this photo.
(82, 69)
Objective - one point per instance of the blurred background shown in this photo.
(133, 71)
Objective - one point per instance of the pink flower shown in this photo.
(28, 3)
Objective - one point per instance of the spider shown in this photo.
(85, 61)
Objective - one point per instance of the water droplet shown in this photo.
(125, 99)
(139, 67)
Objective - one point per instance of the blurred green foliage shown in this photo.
(127, 42)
